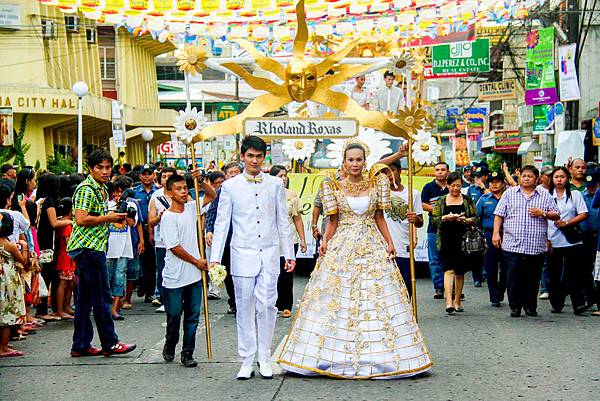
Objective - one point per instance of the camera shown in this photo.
(122, 206)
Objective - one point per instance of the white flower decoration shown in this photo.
(378, 147)
(425, 149)
(400, 65)
(217, 275)
(298, 149)
(188, 124)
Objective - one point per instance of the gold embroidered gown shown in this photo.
(355, 320)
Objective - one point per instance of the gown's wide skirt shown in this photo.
(355, 320)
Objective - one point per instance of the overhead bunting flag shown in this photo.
(567, 74)
(540, 84)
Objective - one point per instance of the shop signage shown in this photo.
(507, 139)
(494, 33)
(428, 73)
(6, 126)
(10, 16)
(596, 131)
(539, 70)
(543, 118)
(227, 110)
(301, 127)
(118, 124)
(500, 90)
(462, 57)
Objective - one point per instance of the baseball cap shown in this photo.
(592, 177)
(481, 171)
(546, 170)
(148, 167)
(496, 175)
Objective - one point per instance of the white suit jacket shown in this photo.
(259, 214)
(385, 99)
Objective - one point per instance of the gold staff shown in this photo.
(202, 256)
(411, 232)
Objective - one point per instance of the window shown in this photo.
(169, 73)
(106, 49)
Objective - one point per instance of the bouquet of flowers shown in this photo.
(217, 275)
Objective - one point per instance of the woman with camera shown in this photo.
(452, 215)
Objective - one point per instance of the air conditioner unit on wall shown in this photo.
(72, 23)
(90, 34)
(48, 29)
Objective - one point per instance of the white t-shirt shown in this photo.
(158, 242)
(20, 224)
(568, 210)
(180, 229)
(119, 236)
(397, 221)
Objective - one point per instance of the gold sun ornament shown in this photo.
(411, 119)
(401, 65)
(301, 80)
(191, 60)
(188, 124)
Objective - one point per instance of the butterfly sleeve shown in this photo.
(330, 205)
(383, 192)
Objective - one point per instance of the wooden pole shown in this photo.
(202, 256)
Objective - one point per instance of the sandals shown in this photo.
(11, 354)
(49, 318)
(596, 313)
(286, 313)
(450, 310)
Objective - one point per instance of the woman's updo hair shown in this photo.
(453, 177)
(355, 146)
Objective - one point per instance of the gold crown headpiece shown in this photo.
(356, 141)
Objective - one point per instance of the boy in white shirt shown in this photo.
(398, 219)
(181, 276)
(120, 248)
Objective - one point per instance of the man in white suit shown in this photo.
(255, 204)
(388, 98)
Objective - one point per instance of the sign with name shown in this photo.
(462, 57)
(118, 124)
(428, 73)
(10, 16)
(494, 33)
(500, 90)
(40, 103)
(227, 110)
(331, 128)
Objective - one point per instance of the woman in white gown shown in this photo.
(355, 320)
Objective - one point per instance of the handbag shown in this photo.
(43, 290)
(473, 241)
(573, 234)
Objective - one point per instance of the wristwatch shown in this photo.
(545, 215)
(314, 226)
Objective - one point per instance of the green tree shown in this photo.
(61, 164)
(19, 149)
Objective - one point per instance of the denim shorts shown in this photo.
(116, 275)
(133, 269)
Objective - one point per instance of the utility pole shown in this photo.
(572, 31)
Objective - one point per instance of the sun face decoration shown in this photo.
(401, 65)
(191, 60)
(188, 124)
(412, 119)
(302, 80)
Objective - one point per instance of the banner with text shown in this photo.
(540, 84)
(462, 57)
(500, 90)
(331, 128)
(567, 74)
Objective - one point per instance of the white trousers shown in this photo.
(255, 299)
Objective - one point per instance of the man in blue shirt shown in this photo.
(496, 273)
(432, 191)
(590, 228)
(143, 193)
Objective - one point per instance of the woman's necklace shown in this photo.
(356, 188)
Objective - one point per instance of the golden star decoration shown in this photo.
(191, 60)
(412, 119)
(302, 80)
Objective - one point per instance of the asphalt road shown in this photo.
(482, 354)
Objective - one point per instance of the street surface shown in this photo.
(482, 354)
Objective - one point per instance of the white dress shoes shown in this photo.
(245, 373)
(265, 369)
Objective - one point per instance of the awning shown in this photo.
(529, 146)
